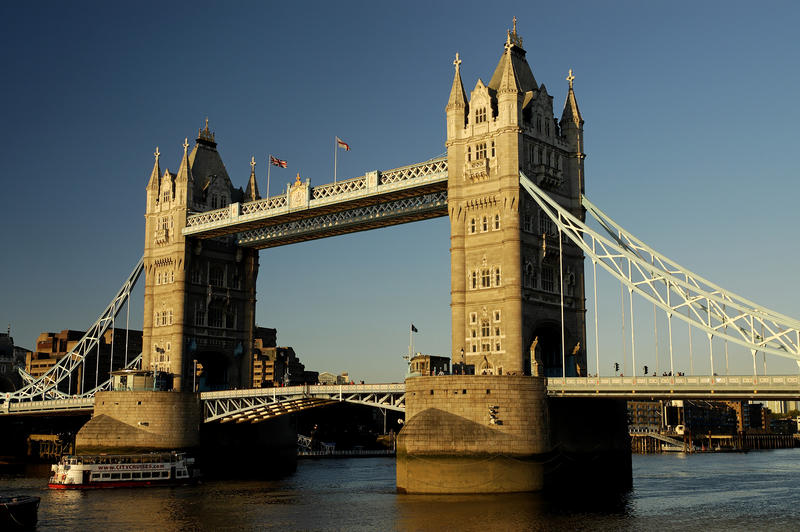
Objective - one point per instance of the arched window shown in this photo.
(496, 222)
(474, 280)
(530, 276)
(469, 154)
(485, 224)
(497, 277)
(472, 225)
(492, 148)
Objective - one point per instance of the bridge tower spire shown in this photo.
(505, 288)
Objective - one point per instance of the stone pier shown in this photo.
(501, 434)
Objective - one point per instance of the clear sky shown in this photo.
(691, 132)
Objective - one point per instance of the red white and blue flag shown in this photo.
(342, 144)
(274, 161)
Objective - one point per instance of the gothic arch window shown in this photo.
(492, 148)
(216, 316)
(216, 276)
(496, 222)
(546, 225)
(199, 313)
(474, 281)
(548, 279)
(539, 123)
(469, 154)
(530, 276)
(484, 328)
(165, 197)
(540, 153)
(484, 224)
(485, 278)
(497, 277)
(547, 128)
(472, 226)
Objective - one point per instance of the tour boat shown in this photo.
(123, 470)
(18, 513)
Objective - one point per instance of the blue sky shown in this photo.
(690, 112)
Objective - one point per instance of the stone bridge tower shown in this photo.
(505, 275)
(199, 302)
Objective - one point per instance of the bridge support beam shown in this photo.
(501, 434)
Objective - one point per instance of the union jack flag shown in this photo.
(277, 162)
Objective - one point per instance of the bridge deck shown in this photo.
(738, 387)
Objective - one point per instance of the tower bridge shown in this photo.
(521, 228)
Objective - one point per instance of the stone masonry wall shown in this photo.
(141, 421)
(458, 408)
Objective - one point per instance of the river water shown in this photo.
(730, 491)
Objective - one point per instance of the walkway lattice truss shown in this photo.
(671, 287)
(46, 386)
(252, 406)
(353, 217)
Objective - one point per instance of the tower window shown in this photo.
(497, 277)
(547, 280)
(469, 154)
(480, 115)
(485, 278)
(492, 148)
(472, 226)
(496, 222)
(546, 225)
(474, 280)
(530, 276)
(527, 223)
(484, 224)
(480, 151)
(485, 328)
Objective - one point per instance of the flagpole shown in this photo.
(335, 156)
(410, 344)
(269, 167)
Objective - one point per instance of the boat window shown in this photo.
(106, 475)
(95, 476)
(126, 476)
(136, 475)
(114, 476)
(146, 474)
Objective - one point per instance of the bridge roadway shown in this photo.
(258, 404)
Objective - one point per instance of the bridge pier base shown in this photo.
(141, 421)
(501, 434)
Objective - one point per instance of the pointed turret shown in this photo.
(571, 112)
(456, 108)
(152, 185)
(458, 97)
(572, 130)
(251, 193)
(156, 173)
(184, 182)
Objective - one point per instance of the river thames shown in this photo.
(732, 491)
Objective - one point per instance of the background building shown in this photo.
(277, 366)
(52, 347)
